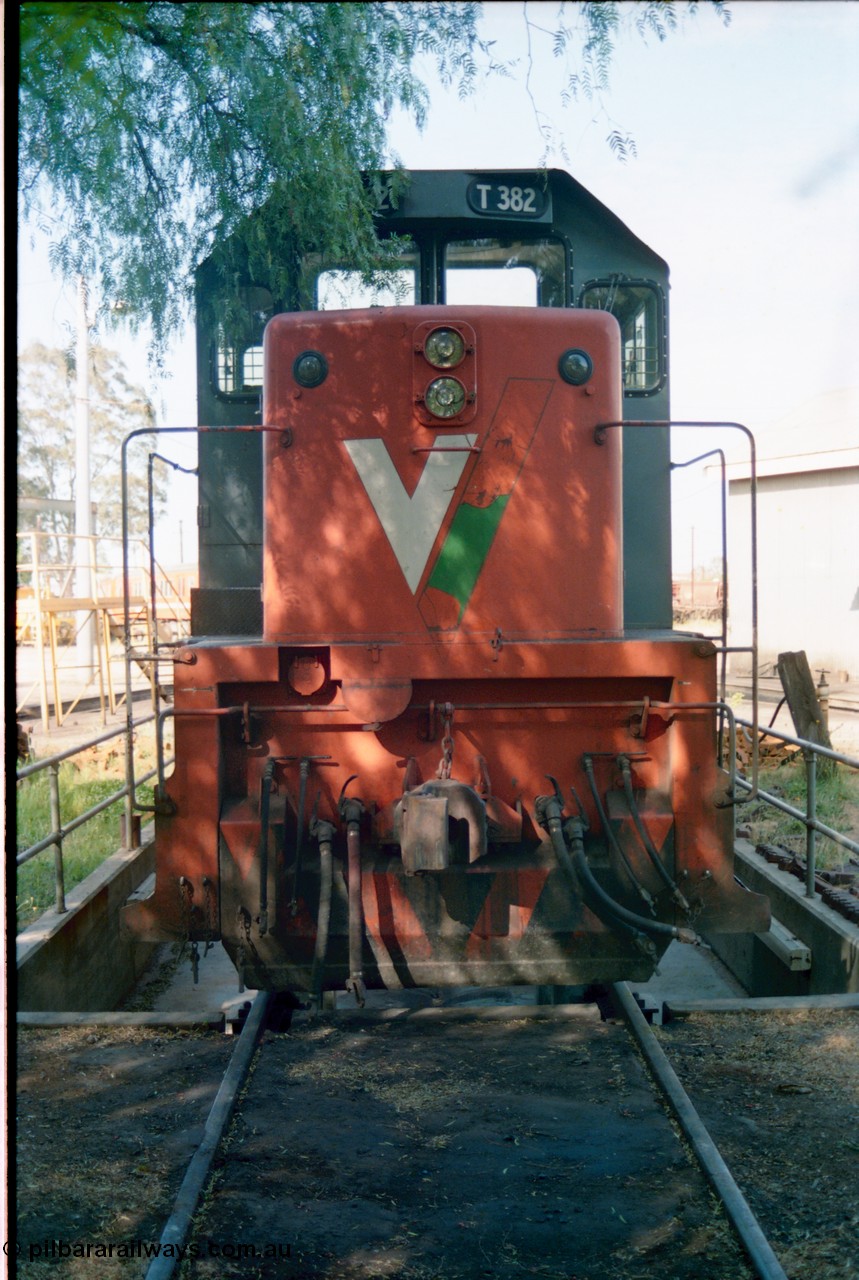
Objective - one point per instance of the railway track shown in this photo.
(435, 1141)
(842, 699)
(435, 1161)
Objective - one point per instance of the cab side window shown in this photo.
(637, 305)
(238, 364)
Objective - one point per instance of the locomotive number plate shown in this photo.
(511, 199)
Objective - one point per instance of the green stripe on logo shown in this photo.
(465, 549)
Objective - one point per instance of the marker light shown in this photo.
(310, 368)
(444, 348)
(575, 366)
(445, 397)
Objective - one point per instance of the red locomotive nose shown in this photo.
(427, 504)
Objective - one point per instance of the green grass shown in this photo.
(837, 807)
(81, 787)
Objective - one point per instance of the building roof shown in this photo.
(821, 434)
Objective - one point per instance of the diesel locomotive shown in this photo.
(433, 727)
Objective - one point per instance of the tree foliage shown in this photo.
(585, 37)
(46, 444)
(158, 124)
(148, 128)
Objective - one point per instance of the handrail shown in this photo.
(153, 585)
(723, 612)
(38, 765)
(809, 819)
(599, 438)
(54, 839)
(199, 430)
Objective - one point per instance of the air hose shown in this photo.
(626, 773)
(613, 842)
(351, 810)
(264, 804)
(324, 832)
(577, 871)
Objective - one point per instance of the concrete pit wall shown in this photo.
(832, 940)
(78, 961)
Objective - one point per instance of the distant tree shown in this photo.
(46, 444)
(146, 129)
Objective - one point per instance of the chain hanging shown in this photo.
(186, 901)
(446, 762)
(209, 914)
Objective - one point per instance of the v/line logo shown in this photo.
(411, 523)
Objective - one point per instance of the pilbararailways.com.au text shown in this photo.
(56, 1249)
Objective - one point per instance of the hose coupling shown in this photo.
(321, 830)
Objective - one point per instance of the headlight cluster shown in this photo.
(445, 347)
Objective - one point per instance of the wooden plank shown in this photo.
(790, 950)
(215, 1021)
(799, 689)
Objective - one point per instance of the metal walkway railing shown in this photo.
(813, 826)
(53, 840)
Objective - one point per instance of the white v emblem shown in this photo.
(412, 524)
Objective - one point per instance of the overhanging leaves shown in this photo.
(147, 128)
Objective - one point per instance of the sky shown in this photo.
(746, 180)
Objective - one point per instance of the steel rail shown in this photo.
(745, 1224)
(178, 1226)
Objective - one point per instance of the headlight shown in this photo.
(444, 348)
(575, 366)
(445, 397)
(310, 368)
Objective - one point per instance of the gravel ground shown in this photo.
(107, 1121)
(779, 1093)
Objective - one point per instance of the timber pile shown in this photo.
(838, 889)
(772, 752)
